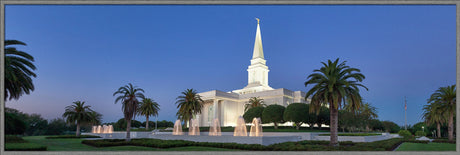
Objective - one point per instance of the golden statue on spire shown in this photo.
(258, 20)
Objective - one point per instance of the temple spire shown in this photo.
(258, 50)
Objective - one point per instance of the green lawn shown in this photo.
(76, 145)
(426, 147)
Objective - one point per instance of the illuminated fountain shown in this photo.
(194, 129)
(94, 129)
(240, 128)
(256, 128)
(102, 129)
(99, 129)
(177, 128)
(214, 129)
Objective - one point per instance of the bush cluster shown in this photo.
(307, 145)
(405, 133)
(353, 134)
(444, 141)
(71, 136)
(14, 139)
(420, 133)
(24, 147)
(16, 143)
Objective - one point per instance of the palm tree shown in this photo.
(129, 96)
(333, 84)
(96, 118)
(434, 114)
(368, 113)
(80, 114)
(147, 108)
(254, 102)
(18, 71)
(446, 97)
(189, 104)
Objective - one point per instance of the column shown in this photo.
(215, 107)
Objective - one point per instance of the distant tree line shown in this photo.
(120, 125)
(19, 123)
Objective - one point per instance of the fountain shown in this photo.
(214, 129)
(102, 129)
(240, 128)
(94, 129)
(256, 128)
(177, 128)
(195, 128)
(99, 129)
(110, 129)
(105, 129)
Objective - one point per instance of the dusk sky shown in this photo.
(86, 52)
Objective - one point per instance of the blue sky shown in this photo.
(86, 52)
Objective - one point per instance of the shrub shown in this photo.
(298, 113)
(405, 133)
(253, 113)
(14, 139)
(420, 133)
(71, 136)
(24, 147)
(273, 113)
(444, 141)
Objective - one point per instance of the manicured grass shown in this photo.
(70, 144)
(426, 147)
(353, 134)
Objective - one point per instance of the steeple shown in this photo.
(257, 71)
(258, 50)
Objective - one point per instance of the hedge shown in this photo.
(24, 147)
(14, 139)
(443, 141)
(308, 145)
(353, 134)
(71, 136)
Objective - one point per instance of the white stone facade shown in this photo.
(228, 106)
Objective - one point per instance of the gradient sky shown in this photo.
(86, 52)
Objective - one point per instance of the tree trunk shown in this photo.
(78, 129)
(438, 129)
(189, 124)
(128, 130)
(450, 128)
(311, 126)
(297, 126)
(276, 125)
(147, 123)
(367, 128)
(333, 127)
(319, 125)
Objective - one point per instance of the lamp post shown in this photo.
(423, 128)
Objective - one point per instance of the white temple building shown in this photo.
(228, 106)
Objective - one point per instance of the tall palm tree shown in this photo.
(446, 96)
(96, 118)
(254, 102)
(129, 96)
(80, 114)
(18, 71)
(368, 112)
(147, 108)
(434, 114)
(189, 104)
(334, 83)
